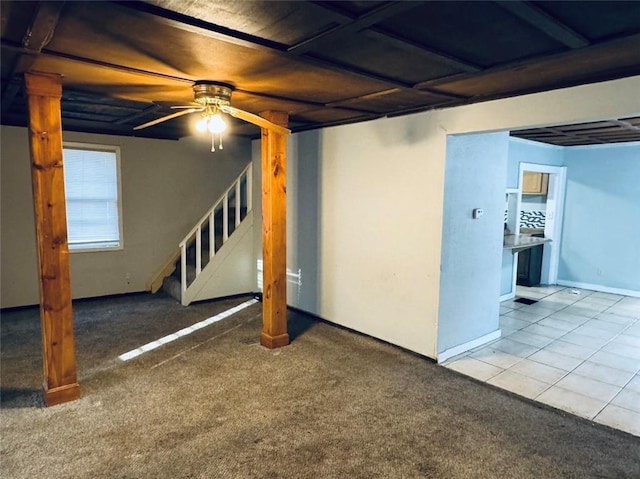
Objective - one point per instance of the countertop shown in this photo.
(520, 242)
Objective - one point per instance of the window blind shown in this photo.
(91, 189)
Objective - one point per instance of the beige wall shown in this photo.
(166, 187)
(366, 203)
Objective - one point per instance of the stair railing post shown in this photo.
(183, 269)
(212, 233)
(225, 218)
(249, 186)
(198, 250)
(238, 202)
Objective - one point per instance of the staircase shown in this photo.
(220, 243)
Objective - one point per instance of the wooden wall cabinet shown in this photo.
(535, 183)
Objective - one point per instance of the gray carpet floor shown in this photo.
(215, 404)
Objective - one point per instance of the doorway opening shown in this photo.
(553, 182)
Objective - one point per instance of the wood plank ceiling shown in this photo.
(324, 63)
(594, 133)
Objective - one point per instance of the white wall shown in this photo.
(375, 199)
(357, 223)
(166, 187)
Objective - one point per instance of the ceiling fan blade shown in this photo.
(194, 105)
(167, 117)
(255, 119)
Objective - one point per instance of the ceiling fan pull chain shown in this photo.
(213, 142)
(220, 144)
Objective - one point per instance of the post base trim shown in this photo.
(273, 342)
(61, 394)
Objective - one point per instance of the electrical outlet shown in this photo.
(477, 213)
(127, 278)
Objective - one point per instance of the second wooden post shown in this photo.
(274, 233)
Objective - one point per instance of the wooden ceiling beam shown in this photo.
(144, 112)
(368, 96)
(363, 24)
(625, 125)
(186, 23)
(544, 22)
(387, 81)
(42, 27)
(99, 63)
(341, 103)
(315, 126)
(367, 28)
(37, 36)
(419, 109)
(377, 15)
(579, 136)
(623, 42)
(421, 50)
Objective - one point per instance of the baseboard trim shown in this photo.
(461, 348)
(599, 288)
(507, 296)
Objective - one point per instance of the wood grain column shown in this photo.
(45, 140)
(274, 233)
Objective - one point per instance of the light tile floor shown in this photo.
(575, 350)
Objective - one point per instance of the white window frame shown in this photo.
(113, 149)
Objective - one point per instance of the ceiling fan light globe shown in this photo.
(217, 124)
(201, 125)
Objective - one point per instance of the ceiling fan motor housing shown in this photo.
(214, 98)
(210, 93)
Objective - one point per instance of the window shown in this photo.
(92, 189)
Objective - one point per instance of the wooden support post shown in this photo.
(274, 233)
(45, 140)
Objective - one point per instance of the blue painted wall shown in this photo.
(523, 151)
(601, 229)
(471, 262)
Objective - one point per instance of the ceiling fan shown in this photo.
(212, 99)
